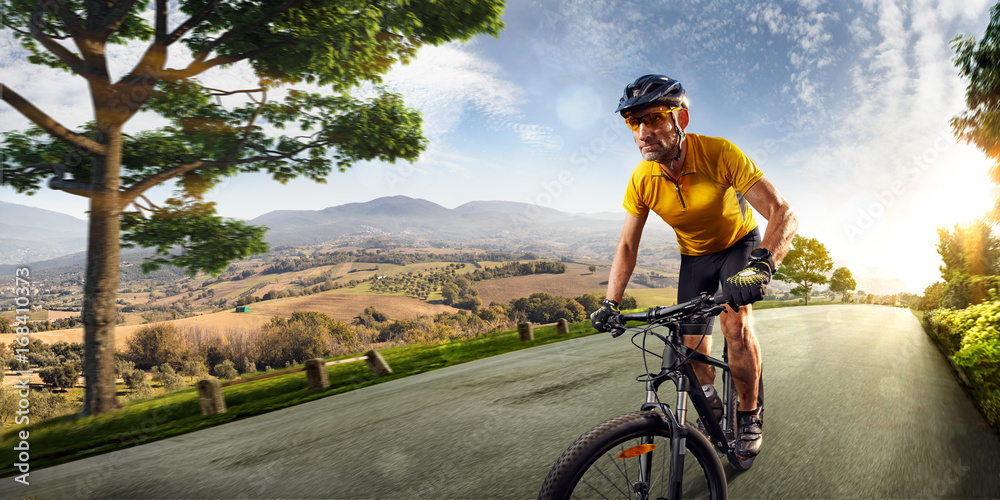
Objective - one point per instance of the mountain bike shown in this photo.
(654, 453)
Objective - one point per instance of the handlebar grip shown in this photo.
(704, 301)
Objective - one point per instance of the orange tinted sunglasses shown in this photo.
(653, 119)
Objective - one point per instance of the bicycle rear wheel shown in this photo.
(605, 463)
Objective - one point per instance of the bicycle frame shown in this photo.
(682, 373)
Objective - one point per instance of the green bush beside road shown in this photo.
(970, 337)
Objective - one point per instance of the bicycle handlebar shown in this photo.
(705, 304)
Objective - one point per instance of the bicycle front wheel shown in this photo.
(629, 457)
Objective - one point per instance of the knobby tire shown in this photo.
(590, 467)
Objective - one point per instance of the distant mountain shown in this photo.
(503, 224)
(29, 234)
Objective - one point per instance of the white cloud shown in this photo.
(444, 81)
(889, 158)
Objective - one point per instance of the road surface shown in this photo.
(859, 405)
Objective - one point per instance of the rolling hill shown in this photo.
(503, 224)
(29, 234)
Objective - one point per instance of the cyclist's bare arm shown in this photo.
(781, 220)
(625, 255)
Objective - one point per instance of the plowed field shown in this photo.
(576, 281)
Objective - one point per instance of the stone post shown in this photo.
(316, 374)
(526, 331)
(210, 396)
(562, 327)
(377, 364)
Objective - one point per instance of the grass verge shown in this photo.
(69, 438)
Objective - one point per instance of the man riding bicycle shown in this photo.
(701, 186)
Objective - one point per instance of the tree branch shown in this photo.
(198, 18)
(140, 187)
(114, 18)
(70, 59)
(248, 28)
(49, 125)
(160, 37)
(64, 13)
(246, 132)
(217, 92)
(200, 66)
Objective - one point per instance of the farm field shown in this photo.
(652, 297)
(576, 281)
(345, 306)
(54, 315)
(217, 321)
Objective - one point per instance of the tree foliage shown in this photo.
(335, 44)
(154, 345)
(970, 254)
(978, 61)
(545, 308)
(842, 282)
(62, 375)
(806, 265)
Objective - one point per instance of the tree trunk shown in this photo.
(103, 277)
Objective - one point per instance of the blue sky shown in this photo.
(843, 105)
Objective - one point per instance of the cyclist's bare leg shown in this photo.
(744, 354)
(705, 373)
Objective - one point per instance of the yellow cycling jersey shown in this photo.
(704, 205)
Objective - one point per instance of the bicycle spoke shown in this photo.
(609, 480)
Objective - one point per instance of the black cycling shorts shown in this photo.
(704, 273)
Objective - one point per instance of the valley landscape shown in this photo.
(346, 247)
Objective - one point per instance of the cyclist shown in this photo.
(707, 190)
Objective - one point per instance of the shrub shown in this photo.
(193, 368)
(154, 345)
(973, 335)
(60, 376)
(225, 370)
(303, 336)
(545, 308)
(46, 405)
(470, 303)
(628, 302)
(123, 366)
(135, 379)
(162, 373)
(590, 301)
(247, 366)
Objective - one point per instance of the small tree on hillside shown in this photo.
(60, 376)
(806, 265)
(154, 345)
(842, 282)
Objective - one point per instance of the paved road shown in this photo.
(860, 405)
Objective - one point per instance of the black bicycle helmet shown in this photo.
(653, 89)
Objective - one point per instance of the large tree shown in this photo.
(334, 44)
(842, 282)
(979, 62)
(806, 265)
